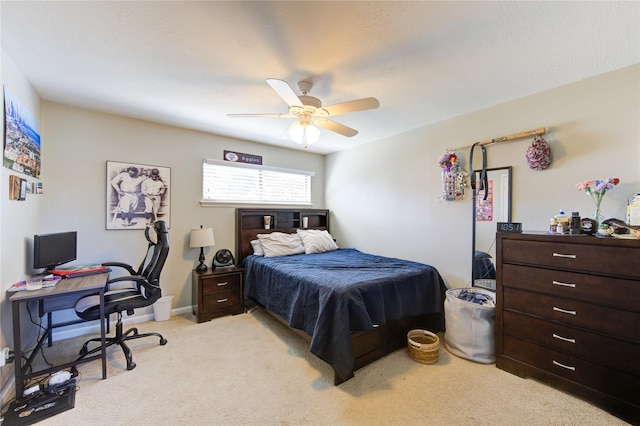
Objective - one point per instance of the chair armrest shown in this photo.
(136, 278)
(129, 268)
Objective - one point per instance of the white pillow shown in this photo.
(278, 244)
(316, 241)
(257, 247)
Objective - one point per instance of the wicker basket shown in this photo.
(423, 346)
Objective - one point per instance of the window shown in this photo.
(228, 182)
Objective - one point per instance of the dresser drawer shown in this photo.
(609, 381)
(220, 284)
(221, 301)
(614, 353)
(615, 292)
(603, 260)
(615, 322)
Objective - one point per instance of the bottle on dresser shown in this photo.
(633, 211)
(563, 223)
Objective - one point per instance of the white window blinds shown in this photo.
(228, 182)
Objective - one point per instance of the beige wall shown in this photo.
(78, 144)
(19, 220)
(384, 195)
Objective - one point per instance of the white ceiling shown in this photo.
(189, 63)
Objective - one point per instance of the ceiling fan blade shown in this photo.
(352, 106)
(275, 114)
(335, 127)
(285, 91)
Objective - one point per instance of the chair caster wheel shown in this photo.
(163, 342)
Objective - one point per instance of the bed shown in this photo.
(353, 307)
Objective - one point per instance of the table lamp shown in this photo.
(202, 238)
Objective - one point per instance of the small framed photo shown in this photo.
(23, 189)
(14, 187)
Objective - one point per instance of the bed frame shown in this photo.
(368, 346)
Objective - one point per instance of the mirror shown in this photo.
(486, 214)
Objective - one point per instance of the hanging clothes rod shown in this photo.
(512, 137)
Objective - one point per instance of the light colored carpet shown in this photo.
(250, 370)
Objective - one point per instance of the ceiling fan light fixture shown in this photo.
(308, 109)
(304, 132)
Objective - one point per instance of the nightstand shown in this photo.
(217, 293)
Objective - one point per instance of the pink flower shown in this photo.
(585, 185)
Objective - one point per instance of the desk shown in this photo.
(63, 296)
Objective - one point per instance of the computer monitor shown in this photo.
(51, 250)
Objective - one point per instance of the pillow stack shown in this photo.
(306, 241)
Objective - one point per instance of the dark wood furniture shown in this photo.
(217, 293)
(250, 222)
(63, 296)
(368, 346)
(568, 313)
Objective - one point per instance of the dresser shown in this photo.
(568, 313)
(217, 293)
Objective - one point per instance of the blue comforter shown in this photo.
(329, 295)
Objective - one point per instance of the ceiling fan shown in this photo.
(310, 113)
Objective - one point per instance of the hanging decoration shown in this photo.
(539, 154)
(453, 177)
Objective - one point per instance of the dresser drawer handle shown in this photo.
(563, 284)
(223, 284)
(569, 256)
(223, 300)
(564, 311)
(568, 367)
(566, 339)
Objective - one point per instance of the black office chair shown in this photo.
(143, 290)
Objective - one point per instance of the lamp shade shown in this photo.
(304, 132)
(202, 237)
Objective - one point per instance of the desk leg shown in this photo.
(50, 328)
(103, 348)
(17, 349)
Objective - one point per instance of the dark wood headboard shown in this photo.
(250, 223)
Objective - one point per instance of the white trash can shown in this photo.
(470, 326)
(162, 308)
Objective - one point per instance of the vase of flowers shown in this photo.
(596, 189)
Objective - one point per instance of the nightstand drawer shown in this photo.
(574, 369)
(220, 301)
(224, 283)
(615, 322)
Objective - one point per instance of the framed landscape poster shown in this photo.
(137, 195)
(22, 138)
